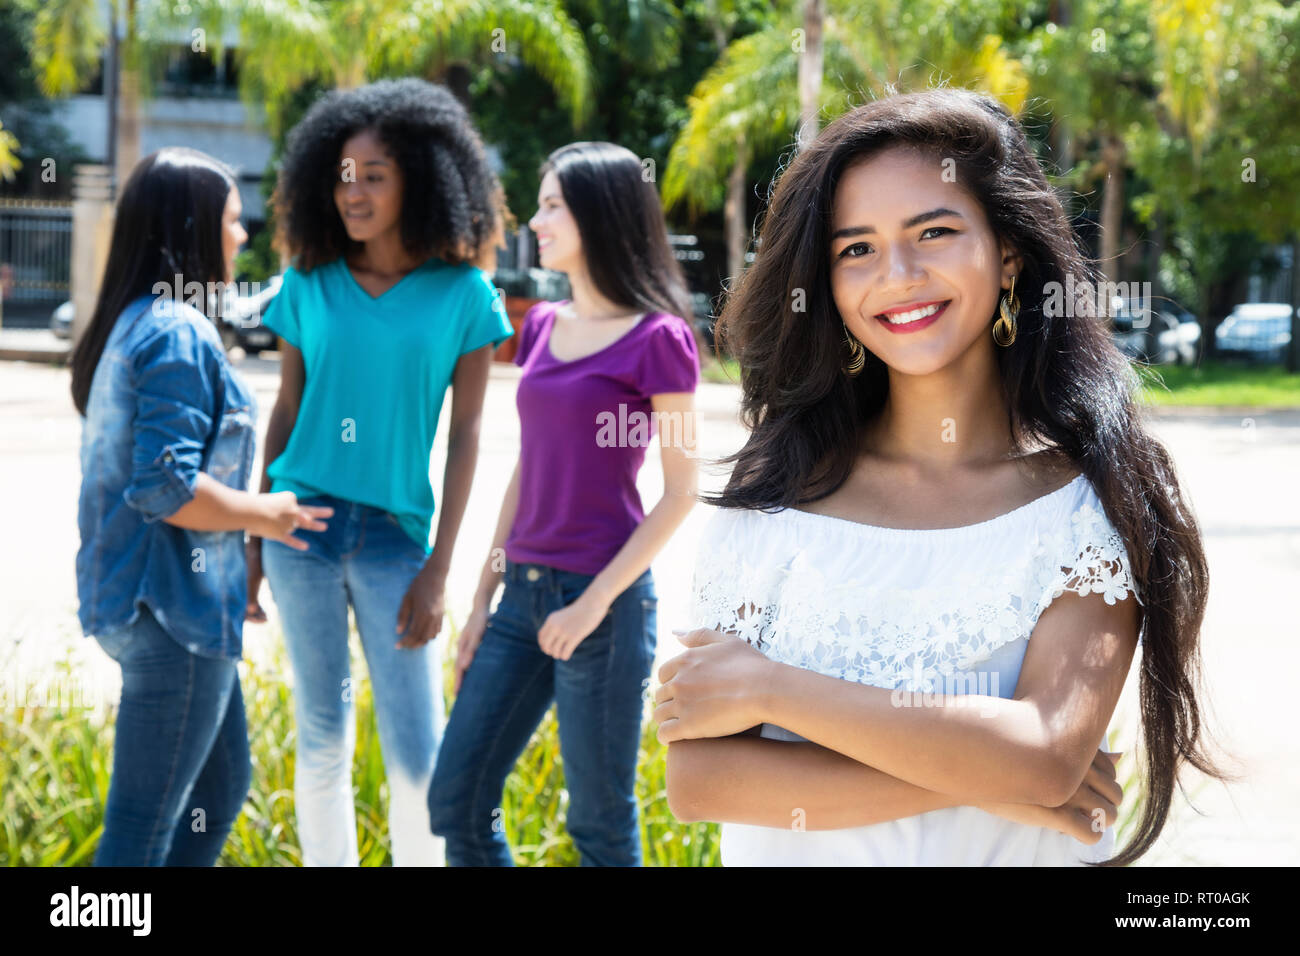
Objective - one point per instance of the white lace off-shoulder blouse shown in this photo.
(945, 611)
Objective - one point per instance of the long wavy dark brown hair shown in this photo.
(1065, 384)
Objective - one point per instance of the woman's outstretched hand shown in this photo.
(280, 516)
(253, 558)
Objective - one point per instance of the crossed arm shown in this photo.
(867, 760)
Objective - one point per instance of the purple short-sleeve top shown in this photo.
(584, 427)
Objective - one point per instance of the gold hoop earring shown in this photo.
(1004, 329)
(857, 354)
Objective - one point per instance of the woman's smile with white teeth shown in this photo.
(902, 318)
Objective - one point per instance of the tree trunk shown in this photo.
(1207, 324)
(810, 71)
(128, 126)
(733, 214)
(1112, 207)
(112, 73)
(1058, 12)
(1063, 145)
(1293, 353)
(1156, 298)
(128, 113)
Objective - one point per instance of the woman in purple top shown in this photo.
(576, 623)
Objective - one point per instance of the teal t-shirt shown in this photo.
(377, 370)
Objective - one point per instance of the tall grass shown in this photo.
(55, 763)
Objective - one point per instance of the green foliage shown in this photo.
(636, 103)
(56, 762)
(29, 134)
(257, 261)
(747, 104)
(1222, 384)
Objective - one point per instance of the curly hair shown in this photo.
(453, 206)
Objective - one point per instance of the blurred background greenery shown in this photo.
(56, 759)
(1170, 124)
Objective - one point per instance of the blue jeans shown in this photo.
(366, 560)
(181, 765)
(600, 701)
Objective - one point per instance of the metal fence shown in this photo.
(35, 253)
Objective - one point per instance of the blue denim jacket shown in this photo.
(164, 405)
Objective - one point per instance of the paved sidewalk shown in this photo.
(33, 345)
(1241, 471)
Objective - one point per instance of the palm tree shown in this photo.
(67, 42)
(9, 162)
(749, 102)
(810, 70)
(722, 17)
(286, 44)
(1115, 65)
(1197, 44)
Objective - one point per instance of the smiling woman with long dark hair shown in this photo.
(941, 542)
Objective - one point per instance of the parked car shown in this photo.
(521, 289)
(61, 321)
(242, 319)
(1177, 333)
(241, 322)
(1260, 331)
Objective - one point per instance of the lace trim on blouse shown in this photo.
(797, 610)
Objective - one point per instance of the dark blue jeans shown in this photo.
(181, 765)
(599, 695)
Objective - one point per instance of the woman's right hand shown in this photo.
(253, 558)
(471, 635)
(1099, 792)
(282, 516)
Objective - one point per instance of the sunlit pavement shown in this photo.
(1241, 469)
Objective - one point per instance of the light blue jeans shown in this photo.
(366, 560)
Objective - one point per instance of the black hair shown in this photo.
(168, 229)
(453, 206)
(621, 223)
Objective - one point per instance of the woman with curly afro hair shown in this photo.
(386, 208)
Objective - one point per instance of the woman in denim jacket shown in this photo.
(166, 451)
